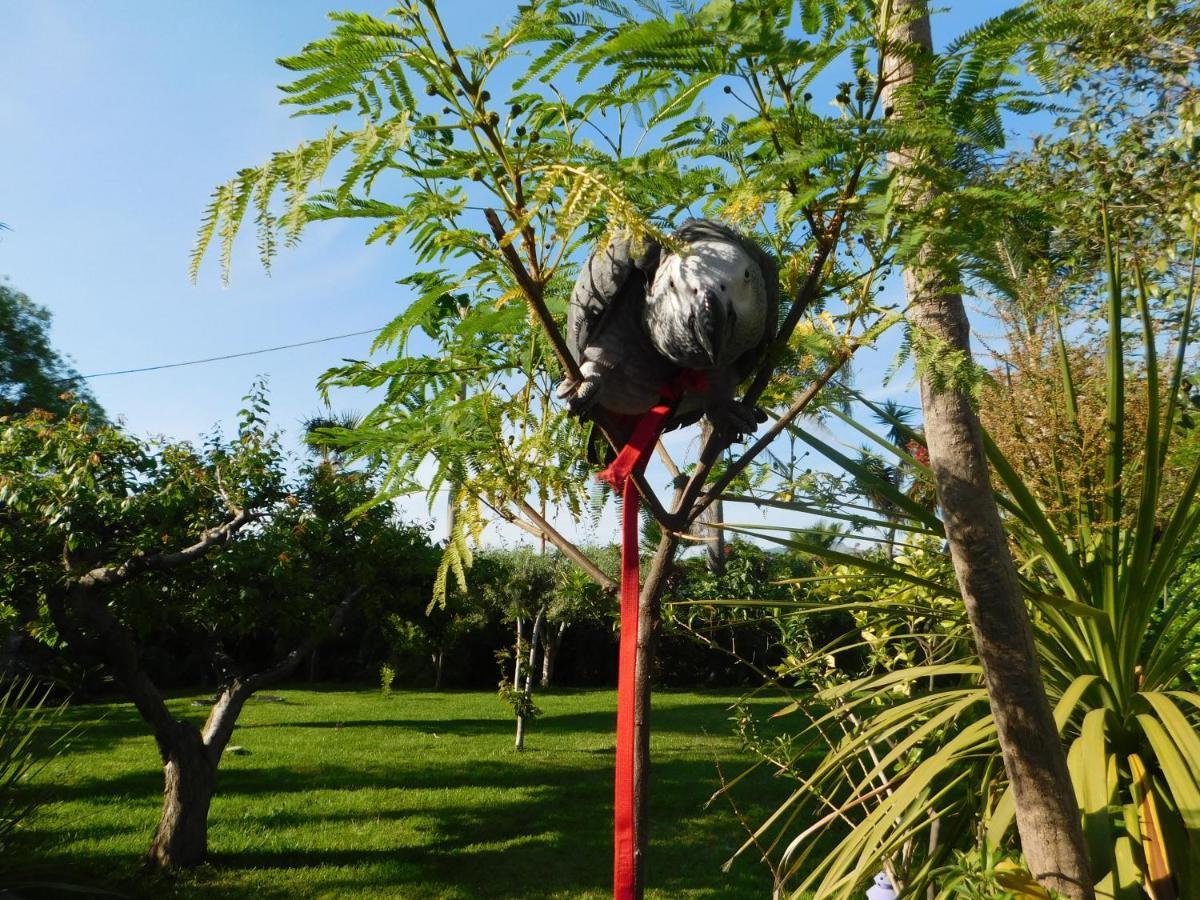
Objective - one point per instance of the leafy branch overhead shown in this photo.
(499, 165)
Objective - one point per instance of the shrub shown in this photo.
(387, 675)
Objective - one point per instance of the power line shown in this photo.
(197, 362)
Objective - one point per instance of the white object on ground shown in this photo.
(883, 889)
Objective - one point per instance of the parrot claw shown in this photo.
(734, 417)
(580, 395)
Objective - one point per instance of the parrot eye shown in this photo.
(747, 275)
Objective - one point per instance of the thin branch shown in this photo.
(740, 464)
(568, 549)
(292, 661)
(666, 458)
(224, 494)
(75, 608)
(535, 297)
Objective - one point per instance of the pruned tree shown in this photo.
(111, 538)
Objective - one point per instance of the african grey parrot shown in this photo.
(635, 322)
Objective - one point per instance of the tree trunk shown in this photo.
(438, 658)
(1047, 815)
(550, 650)
(181, 838)
(517, 655)
(190, 757)
(519, 741)
(527, 687)
(714, 537)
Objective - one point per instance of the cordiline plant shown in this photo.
(917, 773)
(24, 713)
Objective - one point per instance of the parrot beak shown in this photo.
(710, 326)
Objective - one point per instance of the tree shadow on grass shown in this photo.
(531, 825)
(665, 719)
(487, 829)
(550, 838)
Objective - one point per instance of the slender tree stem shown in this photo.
(1046, 811)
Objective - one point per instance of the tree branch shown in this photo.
(291, 662)
(534, 295)
(112, 643)
(740, 464)
(110, 576)
(223, 716)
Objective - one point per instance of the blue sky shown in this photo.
(119, 119)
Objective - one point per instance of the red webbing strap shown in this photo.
(633, 457)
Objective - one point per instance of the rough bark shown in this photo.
(550, 648)
(189, 776)
(190, 761)
(1046, 812)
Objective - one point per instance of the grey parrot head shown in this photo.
(707, 305)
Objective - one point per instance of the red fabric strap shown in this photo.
(631, 459)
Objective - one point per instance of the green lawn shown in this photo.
(345, 794)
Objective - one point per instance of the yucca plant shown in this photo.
(24, 713)
(913, 774)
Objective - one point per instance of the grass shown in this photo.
(347, 794)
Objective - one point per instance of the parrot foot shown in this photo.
(734, 417)
(581, 396)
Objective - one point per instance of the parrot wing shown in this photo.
(605, 279)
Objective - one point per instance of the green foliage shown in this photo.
(946, 367)
(1115, 624)
(1128, 139)
(573, 123)
(510, 694)
(33, 375)
(387, 675)
(80, 496)
(987, 874)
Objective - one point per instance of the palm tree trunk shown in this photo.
(1047, 815)
(550, 650)
(714, 537)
